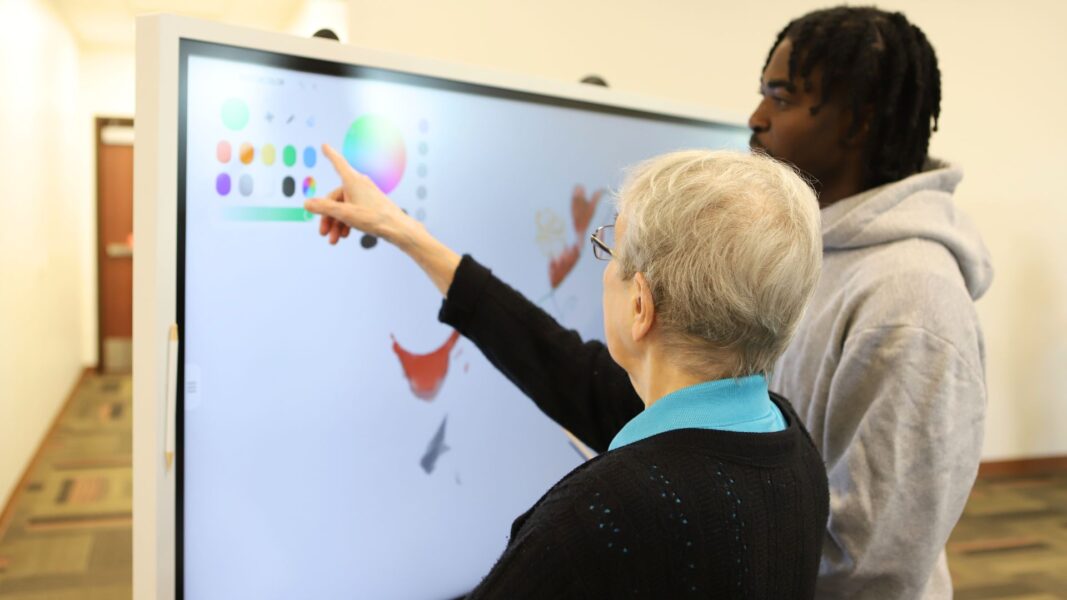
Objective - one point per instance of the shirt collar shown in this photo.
(742, 404)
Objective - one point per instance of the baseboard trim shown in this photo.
(16, 492)
(1023, 467)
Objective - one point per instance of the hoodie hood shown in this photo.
(919, 206)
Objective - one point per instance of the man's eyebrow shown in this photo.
(780, 83)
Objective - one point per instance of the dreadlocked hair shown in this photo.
(886, 71)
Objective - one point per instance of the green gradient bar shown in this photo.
(266, 213)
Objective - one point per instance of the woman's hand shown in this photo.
(357, 203)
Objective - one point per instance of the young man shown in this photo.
(887, 369)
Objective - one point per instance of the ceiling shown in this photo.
(110, 23)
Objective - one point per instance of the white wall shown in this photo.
(1002, 101)
(1002, 106)
(40, 262)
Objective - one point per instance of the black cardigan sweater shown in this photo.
(691, 513)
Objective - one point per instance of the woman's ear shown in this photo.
(643, 310)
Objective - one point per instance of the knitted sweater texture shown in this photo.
(689, 513)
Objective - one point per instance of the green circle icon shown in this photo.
(235, 114)
(289, 156)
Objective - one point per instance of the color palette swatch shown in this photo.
(223, 184)
(374, 147)
(235, 114)
(266, 213)
(245, 185)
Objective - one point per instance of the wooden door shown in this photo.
(114, 172)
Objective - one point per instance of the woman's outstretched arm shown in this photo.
(576, 383)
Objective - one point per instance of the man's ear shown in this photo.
(863, 127)
(643, 310)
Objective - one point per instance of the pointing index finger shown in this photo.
(339, 163)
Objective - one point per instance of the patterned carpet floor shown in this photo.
(1012, 540)
(68, 533)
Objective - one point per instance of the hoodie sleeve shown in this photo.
(907, 410)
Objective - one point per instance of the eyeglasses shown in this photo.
(603, 239)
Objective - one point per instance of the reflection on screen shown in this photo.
(339, 442)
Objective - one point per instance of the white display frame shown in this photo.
(156, 235)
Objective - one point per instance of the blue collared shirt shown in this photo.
(726, 404)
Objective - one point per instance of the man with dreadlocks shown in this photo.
(887, 368)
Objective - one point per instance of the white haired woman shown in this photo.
(707, 484)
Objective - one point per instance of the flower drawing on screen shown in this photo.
(551, 232)
(426, 372)
(582, 211)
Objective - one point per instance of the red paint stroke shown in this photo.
(582, 211)
(562, 265)
(425, 372)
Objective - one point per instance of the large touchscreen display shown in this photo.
(337, 440)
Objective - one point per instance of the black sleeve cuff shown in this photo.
(466, 291)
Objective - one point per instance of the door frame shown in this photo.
(100, 250)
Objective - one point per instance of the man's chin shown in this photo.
(757, 149)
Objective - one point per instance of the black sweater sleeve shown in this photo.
(575, 383)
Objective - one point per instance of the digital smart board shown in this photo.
(335, 440)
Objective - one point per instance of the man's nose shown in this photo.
(758, 121)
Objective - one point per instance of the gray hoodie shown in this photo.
(887, 370)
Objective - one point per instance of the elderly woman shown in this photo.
(707, 485)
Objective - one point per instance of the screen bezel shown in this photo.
(188, 47)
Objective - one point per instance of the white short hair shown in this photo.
(731, 246)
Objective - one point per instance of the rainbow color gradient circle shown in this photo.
(374, 147)
(309, 187)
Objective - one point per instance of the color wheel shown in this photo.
(374, 147)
